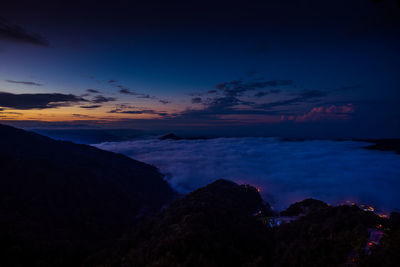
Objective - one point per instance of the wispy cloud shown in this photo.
(94, 91)
(233, 98)
(164, 101)
(239, 87)
(102, 99)
(24, 82)
(261, 94)
(126, 91)
(146, 96)
(81, 115)
(91, 106)
(144, 111)
(18, 34)
(196, 100)
(302, 97)
(227, 99)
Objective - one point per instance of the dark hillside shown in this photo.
(59, 199)
(219, 225)
(212, 226)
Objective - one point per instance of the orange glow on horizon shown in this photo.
(68, 114)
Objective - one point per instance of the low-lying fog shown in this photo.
(333, 171)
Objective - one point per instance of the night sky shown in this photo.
(312, 68)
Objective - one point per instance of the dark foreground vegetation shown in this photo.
(220, 225)
(63, 204)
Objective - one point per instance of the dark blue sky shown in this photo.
(287, 68)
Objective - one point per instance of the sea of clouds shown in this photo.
(284, 171)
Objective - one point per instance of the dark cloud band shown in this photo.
(24, 82)
(38, 101)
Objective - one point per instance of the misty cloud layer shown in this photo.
(284, 171)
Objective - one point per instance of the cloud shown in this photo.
(265, 93)
(38, 101)
(230, 110)
(90, 106)
(324, 113)
(216, 107)
(196, 100)
(232, 98)
(146, 96)
(303, 97)
(285, 171)
(80, 115)
(18, 34)
(224, 102)
(24, 82)
(261, 94)
(10, 112)
(102, 99)
(239, 87)
(145, 111)
(94, 91)
(230, 102)
(313, 94)
(126, 91)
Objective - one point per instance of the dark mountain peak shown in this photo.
(214, 220)
(222, 184)
(228, 195)
(304, 207)
(170, 136)
(385, 145)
